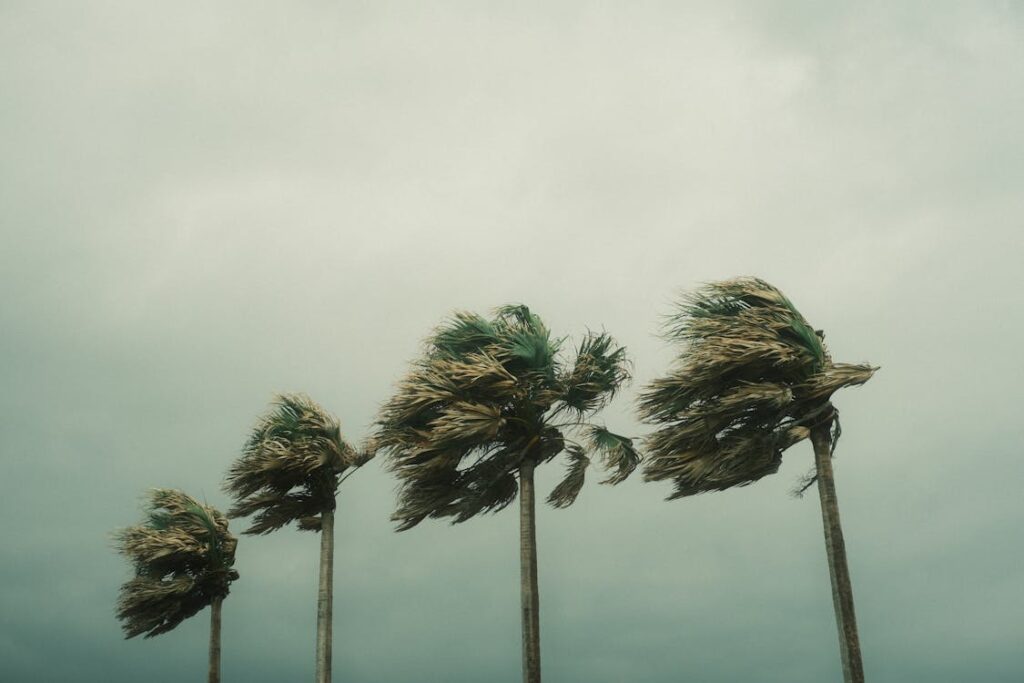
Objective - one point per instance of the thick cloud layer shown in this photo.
(203, 205)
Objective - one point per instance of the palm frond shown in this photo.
(271, 510)
(617, 452)
(366, 452)
(464, 334)
(820, 387)
(600, 370)
(524, 342)
(565, 493)
(466, 423)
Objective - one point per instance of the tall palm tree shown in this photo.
(489, 401)
(289, 471)
(754, 378)
(183, 556)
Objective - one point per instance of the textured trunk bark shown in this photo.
(215, 607)
(325, 598)
(528, 575)
(835, 548)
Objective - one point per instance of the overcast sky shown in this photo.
(204, 203)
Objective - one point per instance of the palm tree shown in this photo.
(289, 471)
(754, 379)
(183, 556)
(487, 402)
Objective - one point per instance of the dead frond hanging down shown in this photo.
(751, 379)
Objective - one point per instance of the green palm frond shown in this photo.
(464, 334)
(290, 466)
(481, 399)
(600, 369)
(751, 373)
(525, 343)
(182, 556)
(617, 452)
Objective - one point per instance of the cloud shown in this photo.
(200, 207)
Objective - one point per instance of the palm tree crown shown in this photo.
(487, 395)
(753, 380)
(289, 471)
(290, 467)
(183, 556)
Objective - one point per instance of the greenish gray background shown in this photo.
(204, 203)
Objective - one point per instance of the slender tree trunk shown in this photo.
(842, 590)
(325, 598)
(528, 574)
(215, 606)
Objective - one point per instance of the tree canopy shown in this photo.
(485, 395)
(751, 379)
(182, 555)
(290, 466)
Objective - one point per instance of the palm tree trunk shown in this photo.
(214, 675)
(325, 598)
(528, 574)
(842, 590)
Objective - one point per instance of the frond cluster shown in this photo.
(182, 556)
(481, 399)
(290, 467)
(751, 378)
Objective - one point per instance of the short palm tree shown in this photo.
(753, 379)
(487, 402)
(289, 471)
(183, 556)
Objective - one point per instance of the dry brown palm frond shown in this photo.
(821, 386)
(290, 466)
(182, 556)
(154, 606)
(272, 511)
(751, 376)
(467, 423)
(482, 372)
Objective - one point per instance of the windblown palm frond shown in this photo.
(617, 452)
(565, 493)
(183, 556)
(290, 467)
(483, 397)
(752, 378)
(600, 370)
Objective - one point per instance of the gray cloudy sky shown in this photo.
(204, 203)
